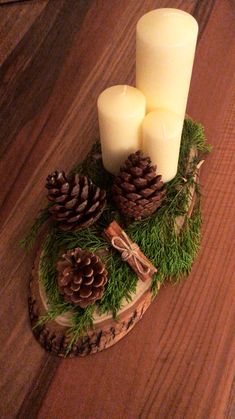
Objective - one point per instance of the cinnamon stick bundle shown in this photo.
(130, 252)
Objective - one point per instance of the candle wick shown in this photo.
(124, 90)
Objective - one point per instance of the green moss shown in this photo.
(172, 253)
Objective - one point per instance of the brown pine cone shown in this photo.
(137, 190)
(81, 277)
(77, 202)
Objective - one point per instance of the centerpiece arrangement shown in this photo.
(128, 217)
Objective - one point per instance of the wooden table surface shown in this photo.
(56, 57)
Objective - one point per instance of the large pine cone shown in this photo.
(137, 190)
(77, 202)
(82, 277)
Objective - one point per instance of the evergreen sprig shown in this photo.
(28, 241)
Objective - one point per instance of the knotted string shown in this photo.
(130, 250)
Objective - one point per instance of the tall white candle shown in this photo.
(121, 110)
(161, 141)
(165, 47)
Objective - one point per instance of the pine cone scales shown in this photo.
(77, 202)
(81, 277)
(137, 190)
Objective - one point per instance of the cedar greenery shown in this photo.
(171, 253)
(28, 242)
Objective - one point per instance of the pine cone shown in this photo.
(77, 202)
(81, 277)
(137, 190)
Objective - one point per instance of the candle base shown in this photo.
(56, 332)
(54, 335)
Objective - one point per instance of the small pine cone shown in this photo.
(76, 201)
(137, 190)
(81, 277)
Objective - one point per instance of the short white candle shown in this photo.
(161, 141)
(121, 110)
(165, 48)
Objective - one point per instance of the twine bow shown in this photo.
(130, 250)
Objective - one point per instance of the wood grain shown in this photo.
(56, 57)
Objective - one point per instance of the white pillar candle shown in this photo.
(121, 110)
(161, 141)
(165, 48)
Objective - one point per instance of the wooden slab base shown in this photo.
(53, 335)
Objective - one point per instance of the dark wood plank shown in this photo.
(56, 57)
(6, 2)
(14, 24)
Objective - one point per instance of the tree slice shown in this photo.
(53, 335)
